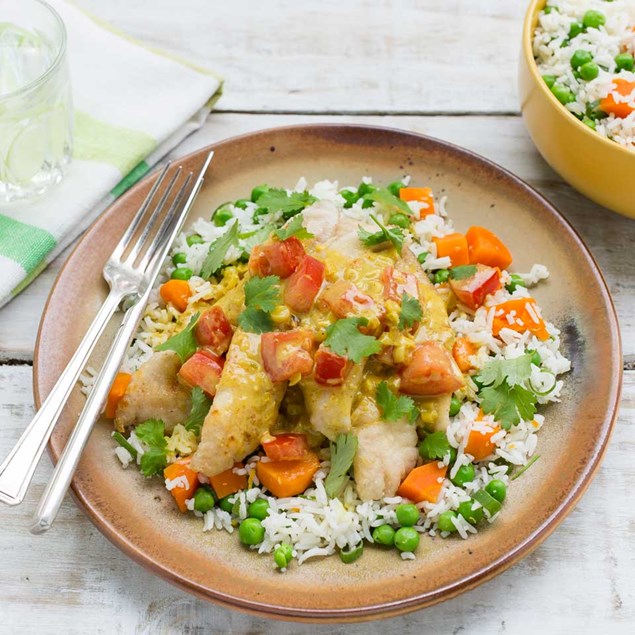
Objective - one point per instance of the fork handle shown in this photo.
(58, 484)
(17, 469)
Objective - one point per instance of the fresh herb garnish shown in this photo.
(342, 455)
(394, 235)
(434, 446)
(218, 250)
(183, 343)
(526, 467)
(262, 295)
(293, 228)
(279, 200)
(462, 272)
(394, 407)
(154, 459)
(343, 337)
(251, 239)
(255, 321)
(201, 404)
(514, 371)
(389, 201)
(411, 311)
(123, 442)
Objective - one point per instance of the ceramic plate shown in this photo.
(138, 515)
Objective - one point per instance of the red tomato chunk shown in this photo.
(286, 447)
(396, 283)
(214, 331)
(346, 300)
(330, 368)
(285, 354)
(280, 258)
(431, 372)
(203, 369)
(304, 284)
(472, 291)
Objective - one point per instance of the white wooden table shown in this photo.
(447, 69)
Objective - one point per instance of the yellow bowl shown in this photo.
(596, 166)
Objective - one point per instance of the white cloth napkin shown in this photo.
(132, 105)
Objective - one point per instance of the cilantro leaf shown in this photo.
(342, 455)
(508, 404)
(154, 459)
(393, 234)
(218, 250)
(434, 446)
(393, 407)
(370, 239)
(262, 293)
(201, 404)
(389, 201)
(343, 337)
(293, 228)
(184, 343)
(278, 200)
(513, 371)
(410, 313)
(251, 239)
(462, 272)
(255, 320)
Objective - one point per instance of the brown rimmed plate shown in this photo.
(137, 514)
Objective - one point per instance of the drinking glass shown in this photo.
(36, 125)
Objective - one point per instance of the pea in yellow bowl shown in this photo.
(596, 166)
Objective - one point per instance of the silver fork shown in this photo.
(125, 276)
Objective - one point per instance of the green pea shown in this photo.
(421, 258)
(182, 273)
(588, 122)
(223, 215)
(251, 531)
(445, 521)
(593, 19)
(536, 360)
(258, 509)
(204, 499)
(473, 516)
(589, 71)
(455, 406)
(575, 29)
(365, 188)
(593, 111)
(194, 239)
(258, 191)
(407, 514)
(497, 489)
(406, 539)
(225, 504)
(283, 555)
(384, 535)
(441, 276)
(179, 258)
(350, 555)
(287, 549)
(242, 203)
(580, 57)
(350, 198)
(515, 282)
(550, 80)
(625, 62)
(548, 10)
(465, 474)
(562, 94)
(395, 186)
(401, 220)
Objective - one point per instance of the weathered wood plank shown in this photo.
(416, 56)
(502, 139)
(71, 580)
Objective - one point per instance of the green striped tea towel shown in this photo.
(132, 106)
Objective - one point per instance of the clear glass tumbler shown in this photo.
(36, 112)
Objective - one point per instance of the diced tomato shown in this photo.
(396, 283)
(214, 331)
(286, 447)
(285, 354)
(430, 372)
(346, 300)
(472, 291)
(280, 258)
(304, 284)
(203, 369)
(330, 369)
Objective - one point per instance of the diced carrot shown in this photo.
(620, 109)
(424, 483)
(455, 247)
(520, 314)
(288, 478)
(479, 444)
(177, 292)
(486, 248)
(462, 350)
(117, 391)
(228, 482)
(421, 195)
(183, 490)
